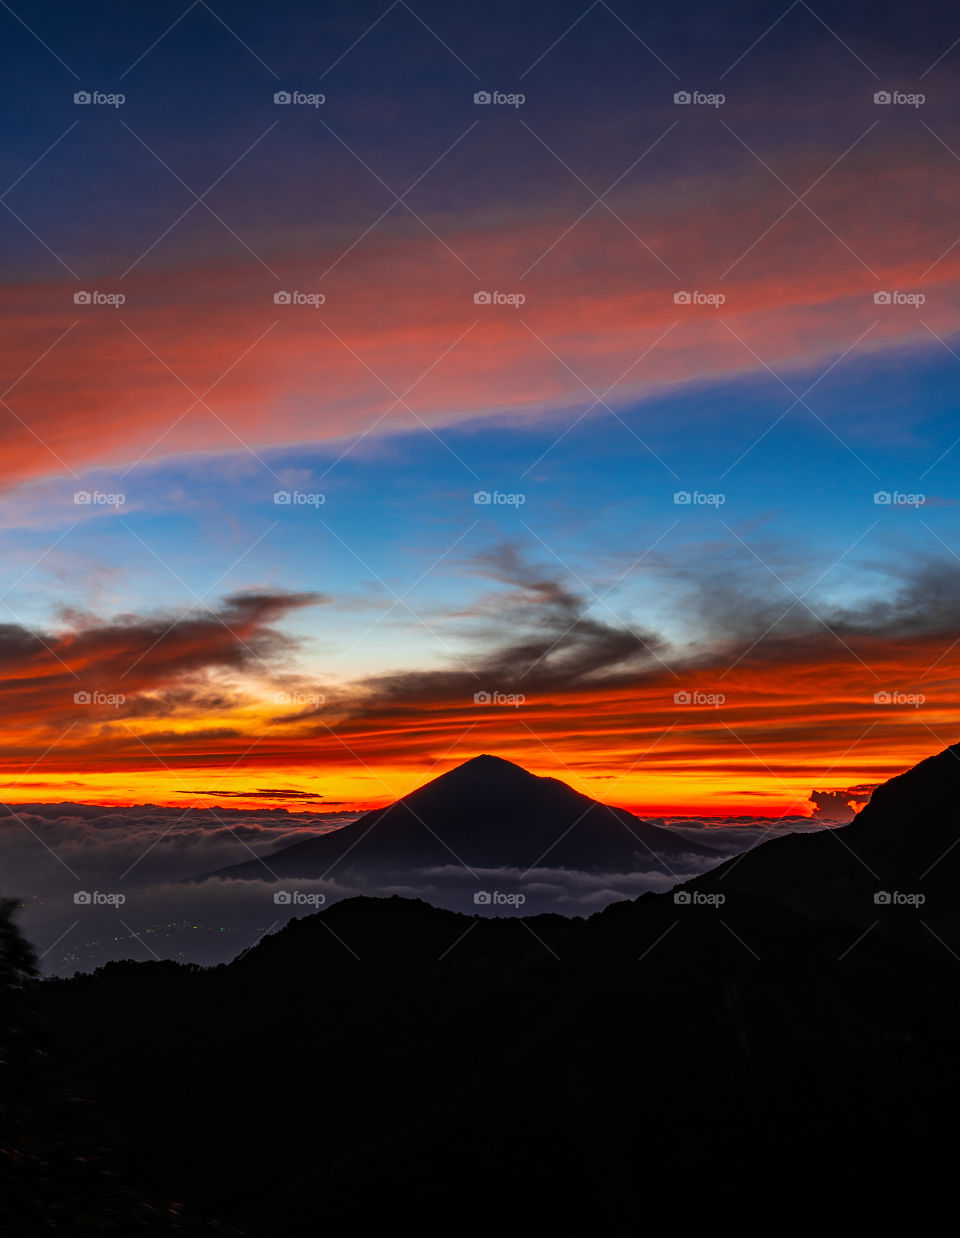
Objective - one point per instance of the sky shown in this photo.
(384, 384)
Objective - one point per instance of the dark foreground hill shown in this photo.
(388, 1064)
(486, 813)
(896, 865)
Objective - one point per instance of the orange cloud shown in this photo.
(734, 727)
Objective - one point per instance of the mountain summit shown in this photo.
(485, 813)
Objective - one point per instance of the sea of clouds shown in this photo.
(97, 883)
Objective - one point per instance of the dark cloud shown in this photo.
(752, 602)
(262, 793)
(539, 635)
(840, 806)
(557, 643)
(94, 673)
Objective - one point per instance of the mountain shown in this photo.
(386, 1059)
(896, 865)
(486, 813)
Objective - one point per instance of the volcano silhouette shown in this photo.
(486, 813)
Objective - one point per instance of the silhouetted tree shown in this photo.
(18, 967)
(18, 963)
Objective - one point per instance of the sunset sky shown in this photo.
(719, 566)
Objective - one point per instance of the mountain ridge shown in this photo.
(902, 845)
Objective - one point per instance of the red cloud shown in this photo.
(199, 358)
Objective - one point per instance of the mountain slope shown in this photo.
(486, 813)
(905, 844)
(386, 1058)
